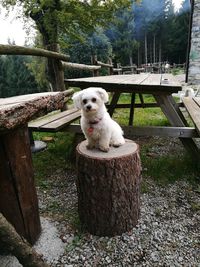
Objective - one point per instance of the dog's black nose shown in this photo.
(89, 107)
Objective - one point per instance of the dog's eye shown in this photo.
(84, 101)
(94, 99)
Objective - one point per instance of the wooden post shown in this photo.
(18, 199)
(94, 62)
(108, 186)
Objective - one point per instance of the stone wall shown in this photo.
(194, 57)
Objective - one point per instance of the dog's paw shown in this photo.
(104, 148)
(90, 146)
(117, 144)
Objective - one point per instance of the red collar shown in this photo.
(95, 121)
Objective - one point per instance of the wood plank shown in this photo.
(60, 123)
(184, 132)
(12, 117)
(24, 98)
(152, 79)
(197, 100)
(18, 197)
(50, 118)
(193, 110)
(125, 83)
(137, 105)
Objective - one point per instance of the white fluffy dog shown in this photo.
(98, 127)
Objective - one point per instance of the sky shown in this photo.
(13, 29)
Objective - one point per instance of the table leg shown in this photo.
(132, 108)
(167, 105)
(18, 198)
(113, 103)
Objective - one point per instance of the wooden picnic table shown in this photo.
(18, 198)
(161, 87)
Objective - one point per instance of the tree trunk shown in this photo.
(12, 243)
(154, 48)
(108, 188)
(145, 48)
(55, 70)
(46, 21)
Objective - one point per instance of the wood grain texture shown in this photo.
(18, 198)
(138, 83)
(193, 109)
(108, 186)
(15, 111)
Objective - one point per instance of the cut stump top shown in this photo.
(130, 147)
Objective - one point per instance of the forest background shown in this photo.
(128, 32)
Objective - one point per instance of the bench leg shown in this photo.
(18, 198)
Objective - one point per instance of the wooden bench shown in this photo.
(54, 122)
(192, 105)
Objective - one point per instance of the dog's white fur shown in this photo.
(98, 127)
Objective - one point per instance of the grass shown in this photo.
(53, 158)
(163, 169)
(146, 116)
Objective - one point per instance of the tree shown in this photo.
(96, 43)
(15, 77)
(54, 18)
(122, 37)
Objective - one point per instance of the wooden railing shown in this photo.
(60, 61)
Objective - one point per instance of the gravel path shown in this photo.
(167, 234)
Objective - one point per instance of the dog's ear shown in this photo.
(77, 99)
(103, 94)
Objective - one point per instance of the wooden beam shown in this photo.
(184, 132)
(104, 64)
(80, 66)
(21, 50)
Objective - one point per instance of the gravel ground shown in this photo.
(167, 233)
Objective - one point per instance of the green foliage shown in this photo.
(70, 17)
(96, 43)
(121, 34)
(15, 77)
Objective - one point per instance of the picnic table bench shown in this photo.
(54, 122)
(18, 198)
(192, 105)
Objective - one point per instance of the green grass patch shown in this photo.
(166, 169)
(142, 116)
(54, 157)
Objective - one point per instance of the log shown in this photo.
(12, 243)
(18, 198)
(21, 50)
(15, 111)
(80, 66)
(108, 186)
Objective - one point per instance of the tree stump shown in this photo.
(108, 186)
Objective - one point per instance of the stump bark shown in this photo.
(108, 186)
